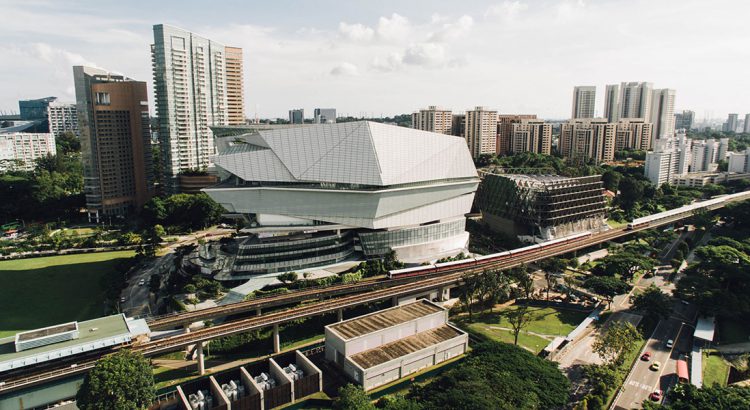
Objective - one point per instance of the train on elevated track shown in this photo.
(637, 223)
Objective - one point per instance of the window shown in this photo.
(102, 98)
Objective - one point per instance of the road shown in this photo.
(137, 300)
(642, 381)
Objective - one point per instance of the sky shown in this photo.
(380, 58)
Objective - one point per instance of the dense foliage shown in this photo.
(183, 211)
(496, 376)
(689, 397)
(121, 381)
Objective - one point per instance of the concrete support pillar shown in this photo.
(394, 301)
(201, 363)
(441, 293)
(276, 339)
(186, 328)
(341, 315)
(257, 311)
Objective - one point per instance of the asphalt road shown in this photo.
(137, 301)
(642, 381)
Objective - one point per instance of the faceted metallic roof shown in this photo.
(363, 152)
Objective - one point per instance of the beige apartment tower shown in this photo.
(433, 119)
(589, 139)
(633, 133)
(505, 124)
(481, 131)
(531, 136)
(235, 86)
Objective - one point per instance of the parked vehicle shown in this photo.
(646, 356)
(655, 366)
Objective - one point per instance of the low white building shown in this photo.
(62, 117)
(384, 346)
(19, 150)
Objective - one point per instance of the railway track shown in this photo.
(371, 292)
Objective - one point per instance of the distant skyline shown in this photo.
(393, 57)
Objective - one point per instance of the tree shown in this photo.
(518, 319)
(67, 143)
(611, 180)
(689, 397)
(496, 376)
(653, 302)
(287, 277)
(616, 342)
(631, 192)
(626, 264)
(703, 219)
(469, 291)
(352, 397)
(606, 286)
(551, 281)
(123, 380)
(524, 280)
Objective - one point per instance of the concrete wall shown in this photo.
(405, 365)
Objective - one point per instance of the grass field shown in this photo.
(38, 292)
(715, 370)
(548, 322)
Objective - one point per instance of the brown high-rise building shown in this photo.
(433, 119)
(235, 86)
(505, 130)
(480, 131)
(113, 120)
(588, 138)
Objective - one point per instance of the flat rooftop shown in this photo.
(47, 331)
(383, 319)
(402, 347)
(108, 327)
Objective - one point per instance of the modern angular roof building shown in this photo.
(316, 194)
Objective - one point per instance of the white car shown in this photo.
(141, 282)
(670, 343)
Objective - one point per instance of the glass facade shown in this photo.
(380, 242)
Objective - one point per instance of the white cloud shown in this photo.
(345, 69)
(396, 28)
(425, 54)
(356, 32)
(452, 31)
(507, 10)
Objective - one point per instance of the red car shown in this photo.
(656, 395)
(646, 356)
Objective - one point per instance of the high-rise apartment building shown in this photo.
(662, 113)
(325, 115)
(635, 100)
(706, 154)
(62, 118)
(670, 159)
(297, 116)
(19, 150)
(746, 125)
(612, 102)
(458, 125)
(505, 123)
(480, 131)
(731, 124)
(588, 138)
(739, 161)
(113, 121)
(633, 133)
(235, 86)
(531, 136)
(584, 101)
(191, 89)
(684, 120)
(433, 119)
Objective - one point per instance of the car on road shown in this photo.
(684, 302)
(670, 343)
(122, 299)
(656, 395)
(141, 282)
(646, 356)
(655, 366)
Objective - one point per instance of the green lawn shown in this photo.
(546, 321)
(38, 292)
(616, 225)
(715, 370)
